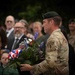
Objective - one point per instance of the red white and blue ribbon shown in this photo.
(14, 54)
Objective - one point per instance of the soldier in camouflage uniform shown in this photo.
(57, 49)
(71, 35)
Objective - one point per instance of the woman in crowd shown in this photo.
(3, 40)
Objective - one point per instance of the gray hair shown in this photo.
(24, 22)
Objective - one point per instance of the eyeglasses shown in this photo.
(73, 23)
(9, 21)
(19, 27)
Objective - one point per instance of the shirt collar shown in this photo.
(10, 30)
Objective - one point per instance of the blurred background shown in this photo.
(32, 10)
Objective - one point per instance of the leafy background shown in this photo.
(32, 10)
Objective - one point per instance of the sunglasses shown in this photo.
(9, 21)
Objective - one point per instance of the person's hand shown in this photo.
(26, 67)
(30, 36)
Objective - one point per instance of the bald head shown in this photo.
(9, 22)
(10, 17)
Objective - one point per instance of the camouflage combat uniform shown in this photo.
(56, 59)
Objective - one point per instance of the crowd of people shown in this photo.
(59, 46)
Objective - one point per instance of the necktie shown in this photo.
(16, 40)
(6, 33)
(15, 43)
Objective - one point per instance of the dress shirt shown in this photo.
(8, 32)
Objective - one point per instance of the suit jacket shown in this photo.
(17, 45)
(10, 40)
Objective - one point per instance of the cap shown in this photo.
(72, 20)
(50, 14)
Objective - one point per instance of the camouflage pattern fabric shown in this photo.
(56, 59)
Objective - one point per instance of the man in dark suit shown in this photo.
(19, 29)
(10, 40)
(19, 35)
(9, 22)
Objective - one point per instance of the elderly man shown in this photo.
(9, 22)
(57, 49)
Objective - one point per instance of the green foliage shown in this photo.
(31, 13)
(29, 55)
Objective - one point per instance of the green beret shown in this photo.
(50, 14)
